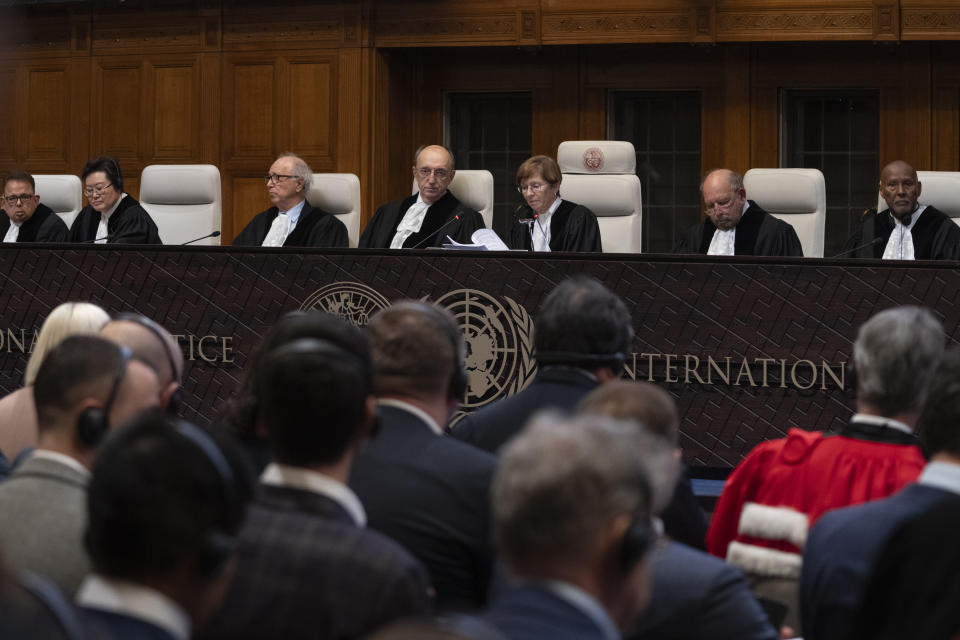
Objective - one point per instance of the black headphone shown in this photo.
(614, 361)
(459, 381)
(93, 423)
(640, 534)
(219, 544)
(176, 398)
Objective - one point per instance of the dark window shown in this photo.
(492, 131)
(838, 133)
(664, 128)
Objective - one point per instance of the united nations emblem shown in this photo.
(593, 159)
(352, 301)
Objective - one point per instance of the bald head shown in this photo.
(153, 344)
(900, 188)
(723, 198)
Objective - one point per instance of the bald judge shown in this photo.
(426, 218)
(906, 230)
(735, 226)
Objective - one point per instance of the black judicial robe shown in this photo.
(573, 227)
(129, 224)
(315, 228)
(935, 235)
(43, 226)
(758, 234)
(434, 230)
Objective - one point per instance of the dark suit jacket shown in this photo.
(531, 612)
(696, 595)
(839, 556)
(43, 226)
(306, 570)
(554, 387)
(106, 625)
(315, 228)
(430, 493)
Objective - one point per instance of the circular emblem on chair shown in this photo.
(499, 338)
(352, 301)
(593, 159)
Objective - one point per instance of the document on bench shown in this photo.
(483, 240)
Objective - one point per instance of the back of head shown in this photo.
(457, 627)
(584, 324)
(417, 350)
(896, 353)
(148, 341)
(164, 495)
(70, 318)
(939, 424)
(559, 483)
(312, 390)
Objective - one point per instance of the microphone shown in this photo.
(214, 234)
(437, 232)
(109, 237)
(855, 249)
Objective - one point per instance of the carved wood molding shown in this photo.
(148, 37)
(930, 24)
(280, 35)
(651, 26)
(828, 24)
(505, 28)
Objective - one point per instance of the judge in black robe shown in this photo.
(315, 228)
(43, 226)
(128, 224)
(935, 236)
(758, 234)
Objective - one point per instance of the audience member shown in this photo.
(292, 221)
(459, 627)
(694, 594)
(165, 503)
(582, 335)
(571, 509)
(735, 226)
(112, 216)
(85, 387)
(548, 222)
(844, 544)
(18, 415)
(27, 219)
(428, 217)
(421, 488)
(307, 566)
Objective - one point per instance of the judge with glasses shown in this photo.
(111, 216)
(27, 219)
(292, 221)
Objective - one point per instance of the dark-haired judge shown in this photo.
(27, 219)
(428, 217)
(112, 216)
(548, 222)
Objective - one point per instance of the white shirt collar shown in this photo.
(109, 212)
(282, 475)
(67, 461)
(540, 230)
(136, 601)
(415, 410)
(883, 422)
(585, 603)
(293, 213)
(942, 475)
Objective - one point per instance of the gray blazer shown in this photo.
(44, 509)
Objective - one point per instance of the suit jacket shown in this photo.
(840, 553)
(430, 493)
(554, 387)
(437, 224)
(44, 507)
(698, 596)
(107, 625)
(315, 228)
(43, 226)
(758, 234)
(532, 612)
(129, 224)
(305, 570)
(573, 227)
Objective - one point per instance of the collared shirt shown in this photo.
(415, 410)
(900, 243)
(293, 213)
(724, 243)
(585, 603)
(282, 475)
(102, 229)
(540, 229)
(54, 456)
(13, 232)
(942, 475)
(135, 601)
(880, 421)
(411, 222)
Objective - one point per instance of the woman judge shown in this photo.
(547, 222)
(112, 216)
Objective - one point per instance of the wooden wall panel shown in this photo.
(456, 23)
(310, 121)
(46, 135)
(248, 109)
(577, 22)
(773, 20)
(117, 100)
(176, 121)
(8, 113)
(930, 20)
(945, 123)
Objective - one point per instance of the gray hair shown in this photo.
(301, 170)
(895, 354)
(560, 481)
(734, 179)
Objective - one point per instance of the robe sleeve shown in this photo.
(254, 233)
(53, 229)
(779, 239)
(946, 242)
(581, 233)
(134, 226)
(689, 241)
(79, 229)
(739, 488)
(518, 236)
(329, 232)
(374, 234)
(470, 221)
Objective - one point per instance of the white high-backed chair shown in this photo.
(940, 189)
(474, 188)
(183, 200)
(62, 193)
(339, 194)
(602, 176)
(796, 196)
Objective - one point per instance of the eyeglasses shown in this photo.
(14, 200)
(439, 174)
(96, 189)
(722, 205)
(534, 187)
(275, 178)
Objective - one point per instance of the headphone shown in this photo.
(459, 381)
(176, 398)
(614, 361)
(640, 534)
(93, 423)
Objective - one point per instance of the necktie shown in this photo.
(279, 231)
(411, 223)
